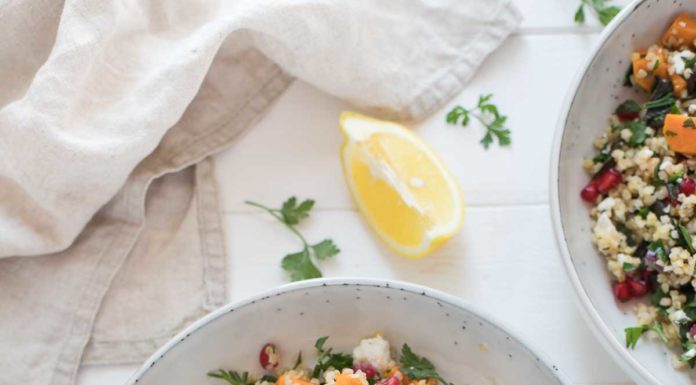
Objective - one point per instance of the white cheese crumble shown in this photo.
(374, 351)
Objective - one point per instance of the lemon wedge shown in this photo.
(400, 185)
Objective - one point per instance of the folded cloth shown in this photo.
(109, 111)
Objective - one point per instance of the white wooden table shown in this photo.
(505, 259)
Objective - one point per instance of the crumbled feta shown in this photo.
(374, 351)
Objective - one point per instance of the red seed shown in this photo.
(366, 368)
(625, 116)
(622, 291)
(608, 180)
(687, 186)
(692, 330)
(590, 193)
(637, 288)
(268, 358)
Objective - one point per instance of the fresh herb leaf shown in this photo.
(689, 354)
(232, 377)
(633, 334)
(298, 361)
(685, 238)
(665, 101)
(628, 106)
(417, 367)
(655, 67)
(675, 177)
(628, 267)
(488, 115)
(325, 249)
(643, 212)
(269, 378)
(689, 123)
(689, 63)
(292, 212)
(300, 265)
(604, 12)
(606, 15)
(638, 134)
(670, 133)
(580, 14)
(658, 248)
(326, 358)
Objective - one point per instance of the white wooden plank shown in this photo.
(505, 261)
(295, 148)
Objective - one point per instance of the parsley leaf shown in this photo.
(417, 367)
(298, 361)
(604, 12)
(685, 238)
(293, 213)
(689, 123)
(232, 377)
(325, 249)
(689, 354)
(326, 358)
(300, 265)
(637, 133)
(488, 115)
(580, 14)
(633, 334)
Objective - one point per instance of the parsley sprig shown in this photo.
(487, 113)
(604, 12)
(234, 378)
(326, 358)
(633, 334)
(300, 264)
(418, 367)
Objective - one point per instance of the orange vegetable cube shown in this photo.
(680, 133)
(681, 33)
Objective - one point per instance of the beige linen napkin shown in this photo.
(108, 112)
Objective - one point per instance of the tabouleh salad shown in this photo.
(371, 363)
(642, 192)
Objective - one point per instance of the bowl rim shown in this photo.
(347, 281)
(628, 363)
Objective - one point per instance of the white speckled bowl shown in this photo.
(437, 325)
(596, 93)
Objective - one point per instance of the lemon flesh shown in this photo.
(400, 185)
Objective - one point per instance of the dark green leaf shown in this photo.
(300, 266)
(658, 248)
(417, 367)
(665, 101)
(456, 114)
(580, 14)
(325, 249)
(637, 133)
(689, 123)
(298, 361)
(607, 14)
(643, 212)
(628, 106)
(232, 377)
(293, 213)
(685, 238)
(327, 359)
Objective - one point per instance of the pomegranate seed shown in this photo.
(637, 288)
(269, 357)
(622, 291)
(608, 180)
(628, 110)
(687, 186)
(366, 368)
(590, 193)
(692, 330)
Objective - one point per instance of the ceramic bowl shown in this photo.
(595, 94)
(466, 347)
